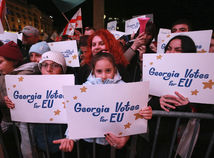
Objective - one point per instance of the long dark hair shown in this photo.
(187, 44)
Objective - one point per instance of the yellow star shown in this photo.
(151, 63)
(20, 79)
(74, 56)
(120, 133)
(51, 119)
(159, 57)
(195, 92)
(69, 61)
(57, 112)
(138, 116)
(83, 89)
(208, 84)
(14, 86)
(8, 88)
(162, 40)
(127, 125)
(75, 97)
(63, 102)
(168, 36)
(67, 101)
(202, 51)
(64, 106)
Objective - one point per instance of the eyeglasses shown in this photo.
(52, 66)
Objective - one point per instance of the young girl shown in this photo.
(104, 71)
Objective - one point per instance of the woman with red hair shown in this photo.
(102, 40)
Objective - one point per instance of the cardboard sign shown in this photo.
(94, 110)
(38, 98)
(6, 37)
(132, 25)
(190, 74)
(201, 39)
(69, 50)
(117, 34)
(112, 26)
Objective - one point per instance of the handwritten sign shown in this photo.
(117, 34)
(191, 74)
(69, 50)
(112, 26)
(132, 25)
(38, 98)
(201, 39)
(6, 37)
(95, 110)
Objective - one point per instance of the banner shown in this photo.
(112, 26)
(6, 37)
(117, 34)
(69, 50)
(201, 39)
(95, 110)
(38, 98)
(191, 74)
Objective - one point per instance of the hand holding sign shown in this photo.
(167, 100)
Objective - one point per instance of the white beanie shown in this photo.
(56, 57)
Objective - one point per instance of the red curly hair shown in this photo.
(112, 45)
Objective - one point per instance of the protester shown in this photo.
(181, 25)
(89, 30)
(51, 63)
(36, 51)
(135, 50)
(176, 102)
(104, 71)
(10, 60)
(102, 40)
(30, 36)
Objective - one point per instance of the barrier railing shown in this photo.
(132, 145)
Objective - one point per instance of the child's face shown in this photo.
(35, 57)
(104, 69)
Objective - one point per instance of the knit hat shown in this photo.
(40, 48)
(11, 50)
(30, 31)
(56, 57)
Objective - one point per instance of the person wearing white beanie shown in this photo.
(52, 62)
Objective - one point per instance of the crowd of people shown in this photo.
(103, 60)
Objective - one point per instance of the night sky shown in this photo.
(199, 12)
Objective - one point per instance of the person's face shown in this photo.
(104, 69)
(28, 40)
(174, 46)
(180, 28)
(49, 67)
(89, 32)
(211, 46)
(97, 45)
(6, 66)
(35, 57)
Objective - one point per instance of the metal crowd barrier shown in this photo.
(132, 148)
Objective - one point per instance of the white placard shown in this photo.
(112, 26)
(201, 39)
(69, 50)
(38, 98)
(132, 25)
(95, 110)
(117, 34)
(191, 74)
(8, 36)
